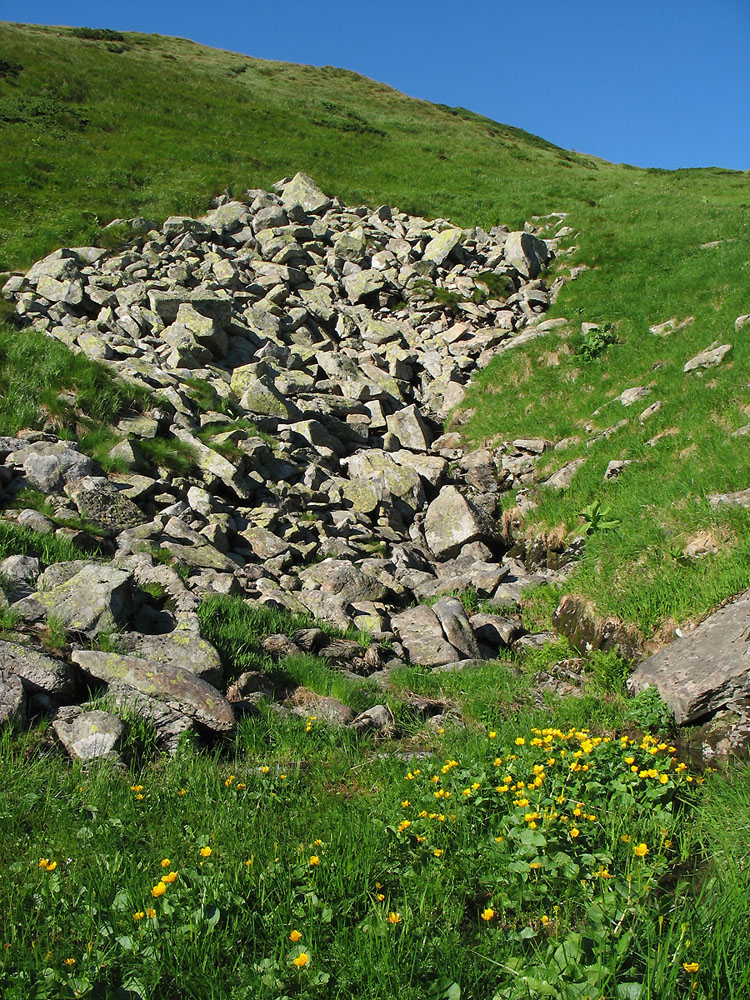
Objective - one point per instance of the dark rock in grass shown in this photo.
(378, 720)
(12, 700)
(177, 688)
(495, 630)
(37, 671)
(104, 505)
(93, 735)
(702, 671)
(575, 619)
(456, 626)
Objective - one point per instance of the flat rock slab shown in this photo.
(97, 598)
(91, 735)
(175, 687)
(421, 633)
(704, 670)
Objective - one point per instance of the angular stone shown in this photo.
(50, 465)
(456, 627)
(526, 253)
(379, 720)
(306, 703)
(262, 398)
(702, 671)
(177, 688)
(95, 599)
(13, 700)
(101, 503)
(302, 190)
(182, 649)
(421, 633)
(344, 579)
(708, 358)
(410, 428)
(92, 735)
(495, 630)
(38, 671)
(452, 521)
(442, 246)
(561, 479)
(362, 284)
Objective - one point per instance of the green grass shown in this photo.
(16, 539)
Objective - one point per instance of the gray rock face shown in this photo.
(93, 735)
(12, 700)
(410, 429)
(50, 465)
(456, 627)
(704, 670)
(347, 581)
(38, 671)
(421, 633)
(526, 253)
(182, 649)
(452, 521)
(101, 503)
(302, 190)
(708, 358)
(97, 598)
(178, 689)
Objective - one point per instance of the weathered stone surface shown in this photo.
(561, 479)
(183, 649)
(13, 700)
(452, 521)
(19, 575)
(526, 253)
(337, 576)
(708, 358)
(177, 688)
(442, 246)
(702, 671)
(379, 720)
(93, 735)
(97, 598)
(50, 465)
(302, 190)
(307, 703)
(410, 428)
(456, 627)
(421, 633)
(38, 671)
(103, 504)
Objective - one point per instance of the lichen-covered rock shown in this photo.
(104, 505)
(38, 671)
(49, 465)
(13, 700)
(452, 521)
(97, 598)
(302, 190)
(421, 633)
(456, 626)
(92, 735)
(179, 689)
(526, 253)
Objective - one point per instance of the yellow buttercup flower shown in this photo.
(158, 890)
(294, 936)
(70, 961)
(139, 915)
(301, 960)
(640, 850)
(205, 852)
(314, 860)
(165, 862)
(169, 878)
(690, 966)
(182, 792)
(574, 831)
(150, 913)
(487, 913)
(393, 918)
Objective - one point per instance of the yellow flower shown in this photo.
(205, 852)
(403, 825)
(240, 785)
(182, 792)
(50, 866)
(535, 864)
(690, 966)
(265, 769)
(139, 915)
(165, 862)
(492, 734)
(318, 842)
(70, 961)
(545, 920)
(314, 860)
(405, 804)
(519, 741)
(663, 778)
(136, 788)
(487, 913)
(158, 890)
(139, 796)
(640, 850)
(438, 852)
(229, 780)
(393, 918)
(626, 838)
(574, 832)
(150, 913)
(169, 878)
(283, 777)
(499, 839)
(294, 936)
(380, 897)
(629, 760)
(301, 960)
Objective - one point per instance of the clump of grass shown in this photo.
(169, 453)
(16, 539)
(98, 34)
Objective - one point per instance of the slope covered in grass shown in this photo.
(146, 125)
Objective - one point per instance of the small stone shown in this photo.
(92, 735)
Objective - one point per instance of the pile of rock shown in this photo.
(333, 341)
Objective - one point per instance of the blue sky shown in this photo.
(661, 83)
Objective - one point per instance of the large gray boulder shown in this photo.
(457, 627)
(49, 465)
(702, 671)
(104, 505)
(183, 649)
(95, 599)
(13, 700)
(526, 253)
(453, 521)
(347, 581)
(302, 190)
(410, 428)
(421, 633)
(177, 688)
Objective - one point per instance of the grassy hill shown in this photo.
(306, 860)
(98, 128)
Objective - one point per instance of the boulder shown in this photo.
(456, 627)
(92, 735)
(708, 358)
(104, 505)
(442, 246)
(37, 671)
(97, 598)
(306, 703)
(182, 649)
(347, 581)
(702, 671)
(13, 700)
(302, 190)
(179, 689)
(452, 521)
(49, 465)
(526, 253)
(421, 633)
(410, 428)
